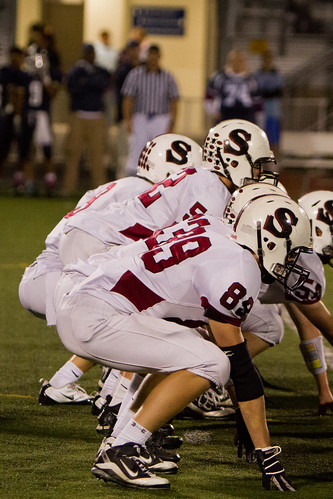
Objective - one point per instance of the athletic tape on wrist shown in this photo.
(313, 355)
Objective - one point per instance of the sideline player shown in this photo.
(162, 156)
(199, 274)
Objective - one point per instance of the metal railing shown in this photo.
(301, 114)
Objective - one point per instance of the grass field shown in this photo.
(47, 452)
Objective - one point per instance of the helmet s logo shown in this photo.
(325, 214)
(240, 138)
(181, 149)
(286, 220)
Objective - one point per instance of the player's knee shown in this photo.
(277, 330)
(216, 365)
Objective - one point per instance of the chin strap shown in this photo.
(260, 252)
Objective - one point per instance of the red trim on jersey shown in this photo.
(137, 232)
(215, 315)
(136, 291)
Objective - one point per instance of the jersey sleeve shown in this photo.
(227, 292)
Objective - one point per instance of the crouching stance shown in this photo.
(135, 308)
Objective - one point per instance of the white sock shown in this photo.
(120, 390)
(133, 432)
(110, 383)
(125, 413)
(68, 373)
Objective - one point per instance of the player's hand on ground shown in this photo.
(273, 474)
(243, 440)
(324, 408)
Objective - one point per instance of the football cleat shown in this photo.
(97, 404)
(162, 453)
(162, 438)
(68, 394)
(107, 419)
(106, 444)
(159, 454)
(128, 465)
(193, 411)
(168, 428)
(212, 404)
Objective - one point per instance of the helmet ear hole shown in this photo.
(271, 246)
(319, 232)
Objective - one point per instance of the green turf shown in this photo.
(47, 452)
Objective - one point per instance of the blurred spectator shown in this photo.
(270, 83)
(128, 60)
(106, 54)
(231, 92)
(36, 127)
(150, 104)
(107, 58)
(303, 20)
(12, 84)
(50, 45)
(139, 34)
(86, 84)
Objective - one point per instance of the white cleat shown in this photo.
(68, 394)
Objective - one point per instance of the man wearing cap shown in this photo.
(86, 84)
(150, 101)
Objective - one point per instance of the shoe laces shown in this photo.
(76, 387)
(142, 465)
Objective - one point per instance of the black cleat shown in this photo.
(128, 465)
(163, 439)
(107, 419)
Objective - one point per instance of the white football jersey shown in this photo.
(99, 198)
(183, 194)
(198, 271)
(310, 292)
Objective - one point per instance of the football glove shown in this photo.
(272, 470)
(243, 440)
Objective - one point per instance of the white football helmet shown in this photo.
(234, 148)
(277, 230)
(168, 153)
(241, 196)
(318, 205)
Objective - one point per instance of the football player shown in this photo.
(192, 271)
(233, 151)
(161, 157)
(304, 304)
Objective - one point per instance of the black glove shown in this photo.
(243, 440)
(272, 470)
